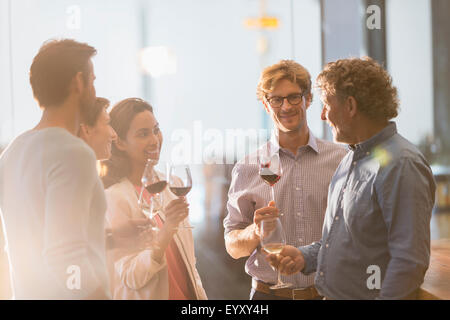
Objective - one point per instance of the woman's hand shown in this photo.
(176, 211)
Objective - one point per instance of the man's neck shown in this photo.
(367, 129)
(66, 116)
(294, 139)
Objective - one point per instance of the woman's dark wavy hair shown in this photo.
(122, 114)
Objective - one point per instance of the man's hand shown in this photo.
(289, 261)
(268, 212)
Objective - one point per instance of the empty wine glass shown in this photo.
(150, 210)
(273, 240)
(179, 179)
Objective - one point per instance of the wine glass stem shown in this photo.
(273, 194)
(140, 196)
(279, 278)
(153, 215)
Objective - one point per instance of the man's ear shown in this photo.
(84, 132)
(352, 106)
(120, 144)
(308, 100)
(78, 82)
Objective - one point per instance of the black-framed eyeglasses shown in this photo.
(277, 102)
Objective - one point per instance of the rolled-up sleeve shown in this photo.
(406, 199)
(240, 206)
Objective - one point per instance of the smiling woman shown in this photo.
(162, 265)
(122, 116)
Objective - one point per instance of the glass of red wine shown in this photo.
(179, 179)
(155, 185)
(269, 168)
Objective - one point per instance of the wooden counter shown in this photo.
(437, 279)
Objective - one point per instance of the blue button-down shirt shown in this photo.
(377, 223)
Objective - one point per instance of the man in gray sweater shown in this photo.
(51, 197)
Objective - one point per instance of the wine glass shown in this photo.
(154, 185)
(150, 210)
(269, 168)
(273, 240)
(179, 179)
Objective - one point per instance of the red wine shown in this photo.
(156, 187)
(180, 191)
(269, 177)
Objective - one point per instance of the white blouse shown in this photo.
(134, 274)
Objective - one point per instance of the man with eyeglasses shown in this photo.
(300, 195)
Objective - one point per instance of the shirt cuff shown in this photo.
(310, 255)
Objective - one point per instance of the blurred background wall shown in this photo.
(198, 63)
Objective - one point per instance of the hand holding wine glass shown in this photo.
(269, 212)
(176, 211)
(289, 261)
(273, 240)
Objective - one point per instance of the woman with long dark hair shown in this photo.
(96, 131)
(165, 267)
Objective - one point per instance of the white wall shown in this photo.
(308, 52)
(6, 129)
(409, 50)
(218, 63)
(109, 25)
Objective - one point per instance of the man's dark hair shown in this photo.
(54, 67)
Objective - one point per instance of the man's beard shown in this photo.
(86, 103)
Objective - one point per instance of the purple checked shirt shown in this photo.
(300, 195)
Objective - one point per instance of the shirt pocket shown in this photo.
(356, 201)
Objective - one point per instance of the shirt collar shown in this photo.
(275, 144)
(369, 144)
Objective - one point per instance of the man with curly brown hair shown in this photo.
(376, 235)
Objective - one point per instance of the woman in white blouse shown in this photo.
(163, 268)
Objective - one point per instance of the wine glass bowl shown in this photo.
(273, 240)
(179, 179)
(270, 168)
(154, 186)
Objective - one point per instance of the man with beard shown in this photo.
(51, 197)
(308, 164)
